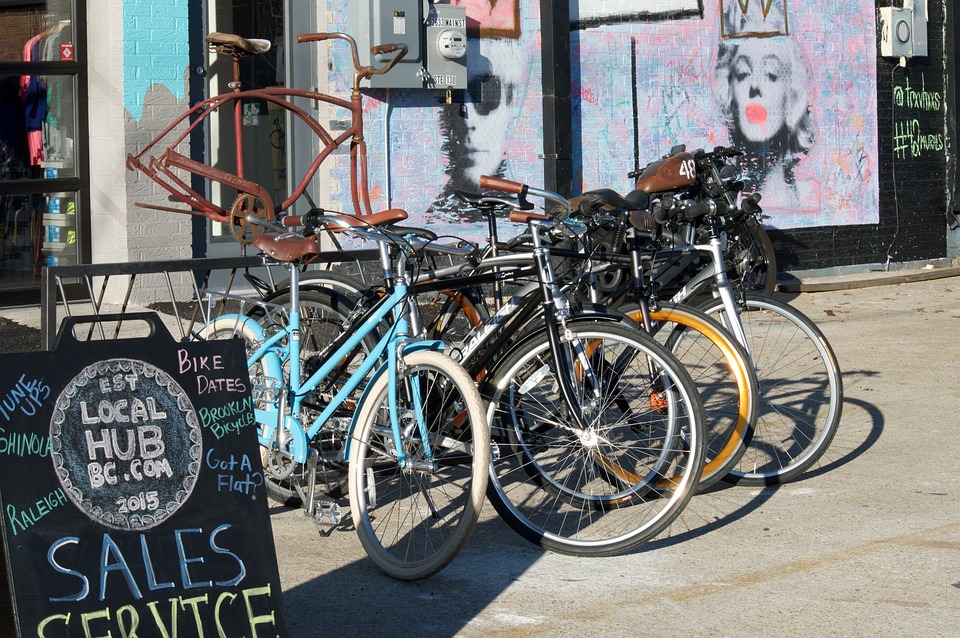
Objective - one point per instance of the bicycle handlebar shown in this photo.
(263, 223)
(505, 185)
(522, 190)
(720, 152)
(382, 234)
(362, 71)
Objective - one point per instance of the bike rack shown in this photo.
(53, 287)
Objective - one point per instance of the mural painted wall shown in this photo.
(156, 50)
(791, 83)
(421, 149)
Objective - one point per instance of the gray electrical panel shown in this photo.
(435, 34)
(446, 47)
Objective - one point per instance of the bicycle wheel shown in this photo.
(751, 258)
(723, 376)
(347, 285)
(621, 480)
(266, 382)
(801, 391)
(323, 317)
(414, 518)
(452, 315)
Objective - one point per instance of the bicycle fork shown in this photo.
(556, 311)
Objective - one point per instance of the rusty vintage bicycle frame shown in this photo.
(160, 160)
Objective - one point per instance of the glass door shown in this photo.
(262, 127)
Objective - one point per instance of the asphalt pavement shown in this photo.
(866, 544)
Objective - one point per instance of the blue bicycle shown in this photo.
(414, 434)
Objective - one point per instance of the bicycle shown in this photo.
(171, 169)
(415, 438)
(750, 257)
(640, 453)
(719, 365)
(801, 388)
(600, 429)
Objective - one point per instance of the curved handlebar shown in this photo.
(381, 49)
(718, 152)
(522, 190)
(314, 37)
(263, 223)
(362, 71)
(524, 216)
(505, 185)
(417, 238)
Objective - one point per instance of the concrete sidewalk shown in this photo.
(866, 544)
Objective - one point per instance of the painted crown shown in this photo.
(753, 18)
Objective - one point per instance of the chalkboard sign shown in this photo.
(132, 491)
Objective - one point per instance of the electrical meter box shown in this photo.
(446, 47)
(435, 34)
(903, 31)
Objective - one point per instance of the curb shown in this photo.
(868, 280)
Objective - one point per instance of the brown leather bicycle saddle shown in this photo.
(287, 248)
(235, 45)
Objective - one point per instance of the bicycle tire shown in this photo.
(723, 375)
(801, 391)
(460, 313)
(602, 492)
(333, 280)
(388, 502)
(324, 314)
(753, 257)
(265, 379)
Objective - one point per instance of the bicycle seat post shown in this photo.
(237, 48)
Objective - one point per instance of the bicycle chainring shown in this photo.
(246, 204)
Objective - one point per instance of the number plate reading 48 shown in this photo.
(126, 444)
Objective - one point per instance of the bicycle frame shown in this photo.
(520, 309)
(395, 341)
(722, 287)
(160, 167)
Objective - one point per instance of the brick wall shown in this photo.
(155, 66)
(15, 24)
(139, 58)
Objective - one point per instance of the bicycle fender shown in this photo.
(413, 346)
(271, 362)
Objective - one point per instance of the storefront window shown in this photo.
(37, 230)
(36, 31)
(41, 176)
(37, 126)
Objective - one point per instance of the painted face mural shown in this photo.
(763, 87)
(759, 84)
(476, 132)
(793, 84)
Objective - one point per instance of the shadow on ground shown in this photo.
(357, 599)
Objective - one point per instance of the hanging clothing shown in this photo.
(33, 92)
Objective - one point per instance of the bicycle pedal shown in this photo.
(326, 516)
